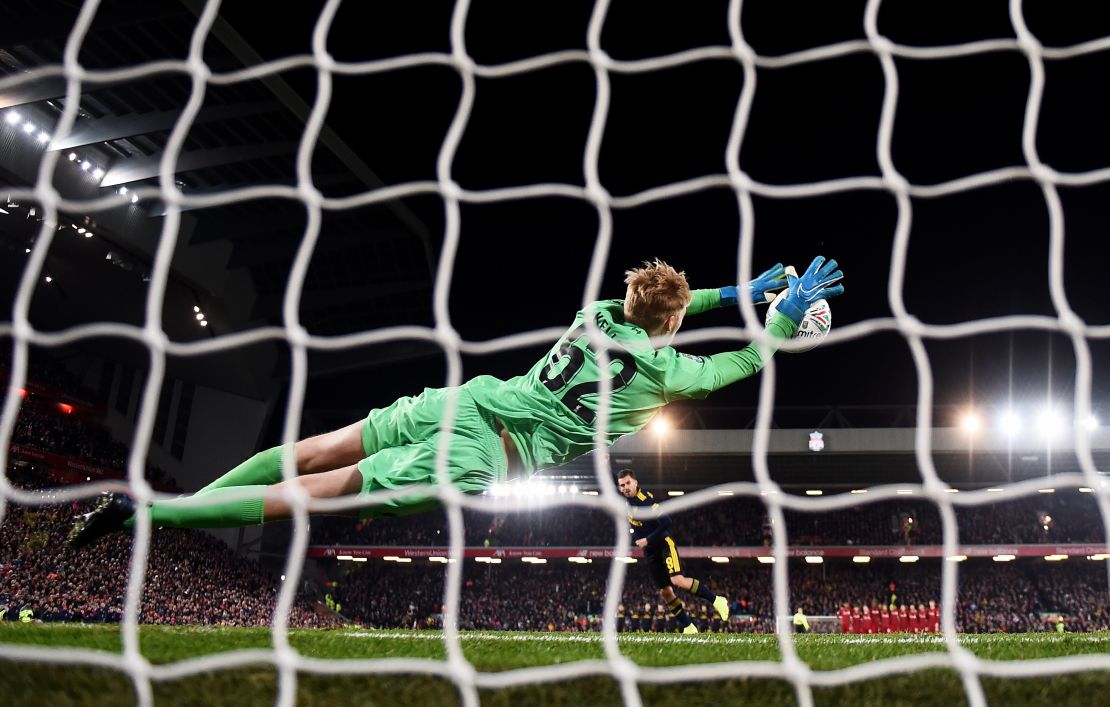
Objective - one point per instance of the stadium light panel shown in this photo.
(13, 118)
(1099, 556)
(904, 492)
(1004, 558)
(1092, 423)
(134, 198)
(625, 560)
(956, 558)
(724, 493)
(344, 557)
(857, 491)
(49, 279)
(660, 426)
(363, 559)
(951, 490)
(44, 138)
(995, 490)
(720, 560)
(72, 157)
(573, 488)
(814, 559)
(861, 559)
(534, 560)
(29, 127)
(589, 493)
(85, 166)
(1010, 423)
(1086, 489)
(766, 559)
(970, 422)
(80, 230)
(204, 322)
(908, 558)
(676, 493)
(1049, 423)
(1046, 490)
(814, 492)
(1055, 558)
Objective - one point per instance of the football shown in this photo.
(814, 327)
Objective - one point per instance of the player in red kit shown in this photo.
(903, 619)
(915, 620)
(845, 615)
(933, 614)
(884, 620)
(857, 621)
(868, 624)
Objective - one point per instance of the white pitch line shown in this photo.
(563, 637)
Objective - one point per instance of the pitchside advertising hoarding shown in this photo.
(604, 553)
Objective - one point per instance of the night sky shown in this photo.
(522, 264)
(976, 254)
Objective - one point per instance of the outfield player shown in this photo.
(653, 536)
(933, 614)
(500, 430)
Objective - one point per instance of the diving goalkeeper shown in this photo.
(500, 430)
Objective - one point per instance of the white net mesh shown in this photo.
(285, 659)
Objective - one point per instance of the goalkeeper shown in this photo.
(500, 430)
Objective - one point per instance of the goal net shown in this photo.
(738, 50)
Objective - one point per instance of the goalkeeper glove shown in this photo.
(769, 281)
(818, 282)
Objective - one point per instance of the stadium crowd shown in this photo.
(46, 425)
(192, 577)
(1063, 517)
(1015, 597)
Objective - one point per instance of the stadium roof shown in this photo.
(372, 266)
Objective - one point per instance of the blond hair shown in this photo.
(655, 292)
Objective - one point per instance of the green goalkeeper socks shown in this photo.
(221, 508)
(262, 468)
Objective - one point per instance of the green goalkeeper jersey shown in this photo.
(550, 411)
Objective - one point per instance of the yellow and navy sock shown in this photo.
(700, 590)
(678, 612)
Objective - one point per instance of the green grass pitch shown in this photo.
(240, 683)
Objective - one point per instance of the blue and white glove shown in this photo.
(769, 281)
(818, 282)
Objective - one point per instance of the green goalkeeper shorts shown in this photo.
(403, 440)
